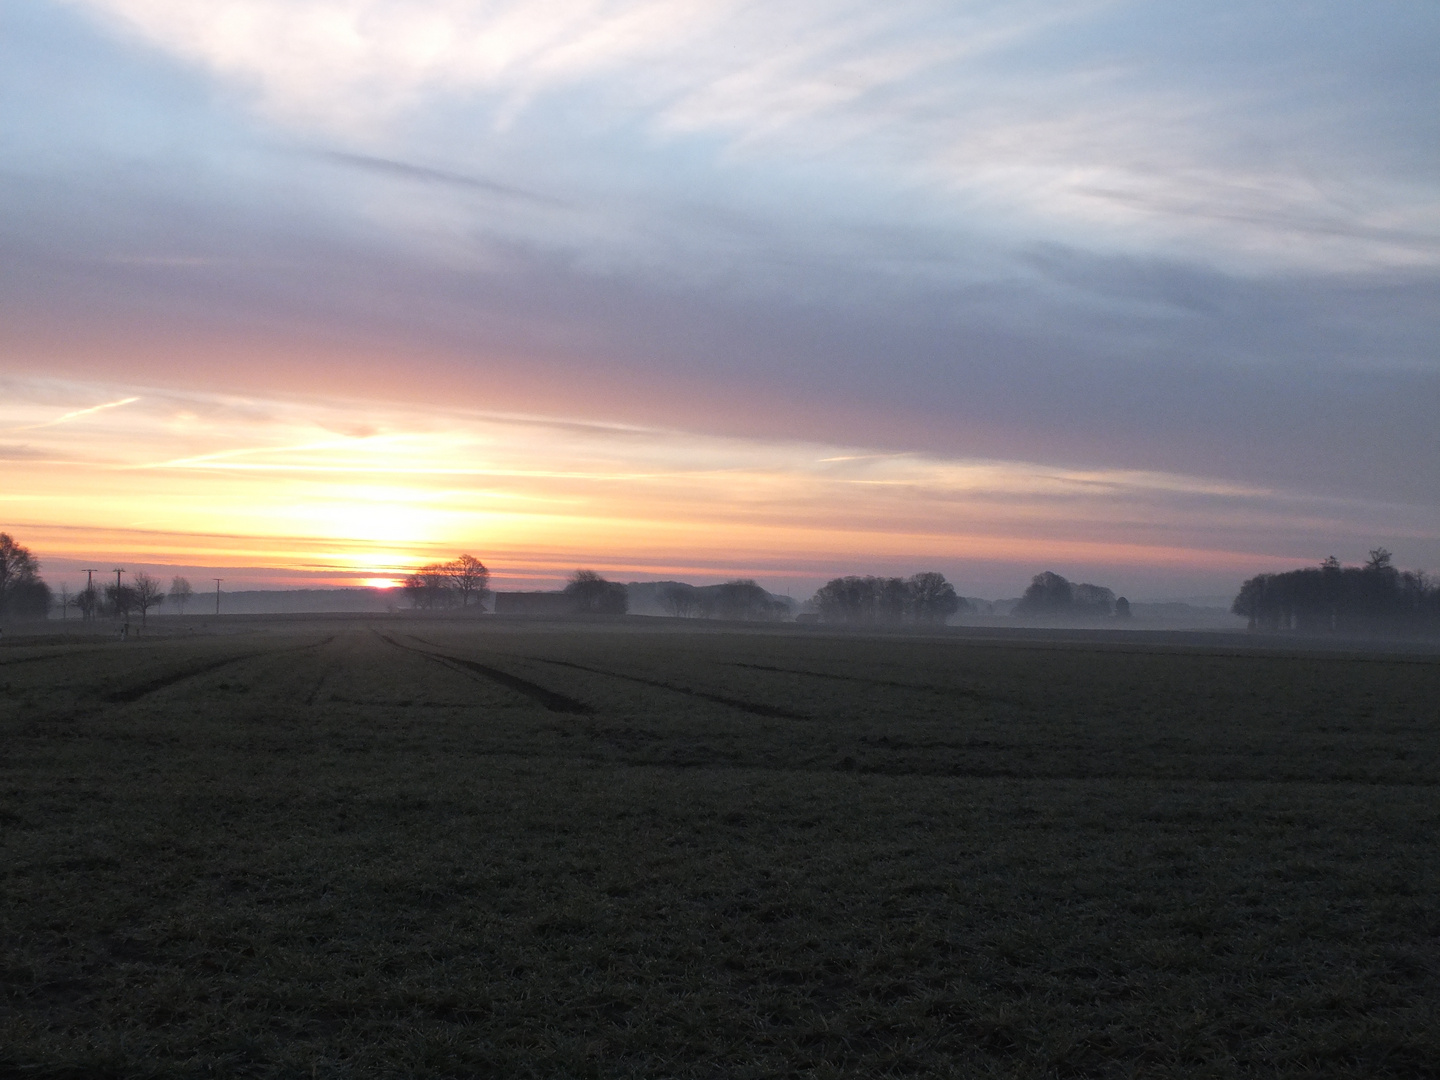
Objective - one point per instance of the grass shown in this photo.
(344, 849)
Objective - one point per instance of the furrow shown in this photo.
(751, 707)
(135, 693)
(550, 699)
(955, 691)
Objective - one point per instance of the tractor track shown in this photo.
(51, 656)
(949, 691)
(770, 711)
(550, 699)
(128, 694)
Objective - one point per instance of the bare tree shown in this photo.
(120, 600)
(87, 600)
(148, 594)
(180, 592)
(470, 578)
(430, 587)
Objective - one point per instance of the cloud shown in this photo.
(406, 171)
(412, 482)
(1088, 123)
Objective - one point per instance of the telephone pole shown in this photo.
(89, 610)
(118, 601)
(217, 594)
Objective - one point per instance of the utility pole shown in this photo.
(89, 611)
(118, 572)
(217, 594)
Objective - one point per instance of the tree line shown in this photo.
(1052, 596)
(924, 598)
(742, 599)
(1375, 597)
(25, 595)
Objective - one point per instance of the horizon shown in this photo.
(307, 295)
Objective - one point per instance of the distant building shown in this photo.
(533, 603)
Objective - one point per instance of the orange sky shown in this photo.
(294, 491)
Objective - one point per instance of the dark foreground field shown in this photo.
(395, 848)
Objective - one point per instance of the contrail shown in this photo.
(77, 412)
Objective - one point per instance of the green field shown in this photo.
(391, 847)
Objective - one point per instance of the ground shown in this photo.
(364, 846)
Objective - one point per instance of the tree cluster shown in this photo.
(121, 601)
(448, 585)
(1374, 598)
(743, 599)
(1050, 595)
(23, 594)
(923, 598)
(591, 594)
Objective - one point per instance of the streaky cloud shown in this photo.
(403, 170)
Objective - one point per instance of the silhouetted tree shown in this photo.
(87, 600)
(1122, 608)
(1048, 594)
(430, 587)
(925, 598)
(148, 594)
(120, 600)
(22, 594)
(180, 592)
(745, 599)
(469, 578)
(591, 594)
(1092, 600)
(681, 600)
(846, 600)
(933, 599)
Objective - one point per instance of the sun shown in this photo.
(380, 583)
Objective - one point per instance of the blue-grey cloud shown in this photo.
(404, 170)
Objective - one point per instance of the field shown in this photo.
(393, 847)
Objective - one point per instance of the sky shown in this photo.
(307, 292)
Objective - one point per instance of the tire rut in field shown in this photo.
(953, 691)
(771, 711)
(49, 656)
(128, 694)
(550, 699)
